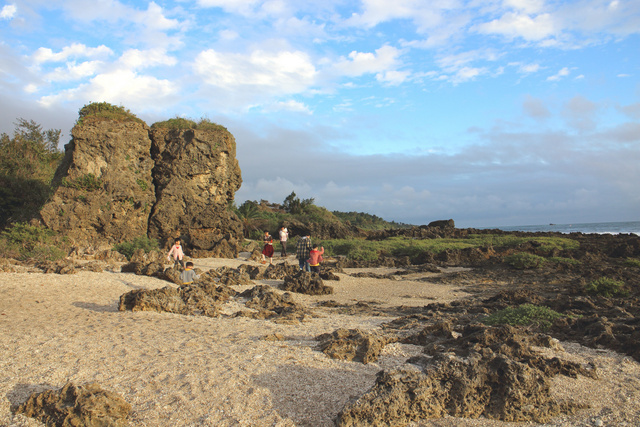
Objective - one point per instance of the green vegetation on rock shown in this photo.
(363, 250)
(524, 315)
(524, 260)
(87, 182)
(98, 111)
(143, 242)
(606, 287)
(180, 123)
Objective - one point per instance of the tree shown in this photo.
(292, 204)
(28, 161)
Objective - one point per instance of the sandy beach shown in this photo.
(180, 370)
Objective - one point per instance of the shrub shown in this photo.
(524, 260)
(632, 262)
(605, 287)
(524, 315)
(98, 111)
(27, 236)
(143, 242)
(26, 241)
(175, 123)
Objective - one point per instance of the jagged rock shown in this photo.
(88, 405)
(203, 298)
(166, 299)
(353, 345)
(145, 264)
(235, 278)
(272, 305)
(303, 282)
(279, 271)
(329, 275)
(106, 189)
(488, 371)
(196, 173)
(63, 266)
(443, 223)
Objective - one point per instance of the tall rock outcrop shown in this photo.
(196, 174)
(121, 179)
(106, 189)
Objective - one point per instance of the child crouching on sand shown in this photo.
(188, 275)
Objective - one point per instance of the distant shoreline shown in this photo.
(623, 227)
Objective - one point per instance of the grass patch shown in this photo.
(606, 287)
(143, 242)
(524, 261)
(180, 123)
(632, 262)
(415, 249)
(524, 315)
(101, 111)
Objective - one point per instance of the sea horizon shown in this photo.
(619, 227)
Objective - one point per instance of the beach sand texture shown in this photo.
(196, 371)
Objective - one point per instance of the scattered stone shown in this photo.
(353, 345)
(87, 405)
(306, 283)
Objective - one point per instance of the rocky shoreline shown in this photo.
(385, 344)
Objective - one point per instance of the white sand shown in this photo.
(196, 371)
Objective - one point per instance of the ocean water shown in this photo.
(587, 228)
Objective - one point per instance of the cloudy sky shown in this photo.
(506, 112)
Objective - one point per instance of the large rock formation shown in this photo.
(121, 179)
(196, 174)
(106, 189)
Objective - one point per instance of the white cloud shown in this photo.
(515, 25)
(8, 11)
(563, 72)
(74, 71)
(283, 72)
(359, 63)
(76, 50)
(139, 59)
(242, 7)
(291, 105)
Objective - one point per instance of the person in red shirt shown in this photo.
(315, 258)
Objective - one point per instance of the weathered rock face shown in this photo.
(121, 180)
(196, 174)
(106, 189)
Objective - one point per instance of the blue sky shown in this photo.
(492, 113)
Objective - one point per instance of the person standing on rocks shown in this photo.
(177, 253)
(315, 258)
(303, 247)
(284, 236)
(267, 250)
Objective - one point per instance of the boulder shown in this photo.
(87, 405)
(304, 282)
(353, 345)
(443, 223)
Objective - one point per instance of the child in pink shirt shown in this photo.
(176, 252)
